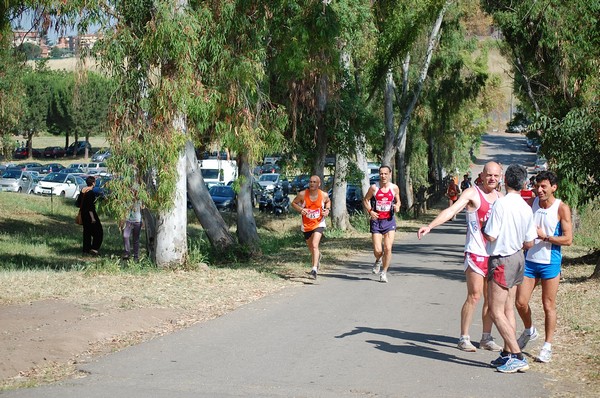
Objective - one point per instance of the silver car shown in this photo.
(17, 180)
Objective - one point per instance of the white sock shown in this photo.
(547, 346)
(314, 269)
(465, 337)
(530, 330)
(486, 336)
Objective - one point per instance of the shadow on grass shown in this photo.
(53, 242)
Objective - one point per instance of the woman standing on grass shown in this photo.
(92, 228)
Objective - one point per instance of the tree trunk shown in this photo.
(320, 132)
(389, 148)
(339, 215)
(171, 225)
(246, 224)
(361, 160)
(596, 273)
(213, 224)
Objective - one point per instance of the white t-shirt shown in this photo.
(511, 223)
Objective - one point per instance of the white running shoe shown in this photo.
(465, 344)
(490, 345)
(376, 267)
(525, 338)
(383, 277)
(545, 355)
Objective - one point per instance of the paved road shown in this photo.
(347, 335)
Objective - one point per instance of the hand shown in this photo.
(541, 234)
(422, 232)
(373, 214)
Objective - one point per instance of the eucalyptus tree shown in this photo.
(244, 119)
(554, 51)
(456, 100)
(400, 25)
(11, 84)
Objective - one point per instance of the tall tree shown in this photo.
(37, 101)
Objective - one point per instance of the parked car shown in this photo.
(353, 198)
(31, 166)
(224, 197)
(78, 148)
(54, 152)
(272, 159)
(101, 155)
(299, 183)
(52, 168)
(17, 180)
(60, 184)
(268, 180)
(23, 153)
(96, 168)
(101, 188)
(72, 170)
(269, 168)
(535, 145)
(541, 164)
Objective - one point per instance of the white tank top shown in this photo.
(547, 219)
(475, 242)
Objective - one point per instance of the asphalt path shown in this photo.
(345, 335)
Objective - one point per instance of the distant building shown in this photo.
(21, 37)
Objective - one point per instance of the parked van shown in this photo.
(217, 171)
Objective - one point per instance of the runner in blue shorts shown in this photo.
(543, 260)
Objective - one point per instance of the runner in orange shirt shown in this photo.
(314, 205)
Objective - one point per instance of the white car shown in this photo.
(60, 184)
(268, 181)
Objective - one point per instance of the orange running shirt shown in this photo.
(314, 218)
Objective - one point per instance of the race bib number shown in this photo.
(384, 206)
(313, 214)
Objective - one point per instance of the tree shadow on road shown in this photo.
(415, 344)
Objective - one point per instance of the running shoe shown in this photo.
(383, 277)
(525, 338)
(465, 344)
(514, 365)
(313, 274)
(545, 355)
(376, 267)
(501, 360)
(490, 345)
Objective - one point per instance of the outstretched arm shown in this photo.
(448, 213)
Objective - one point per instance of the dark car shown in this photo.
(72, 170)
(299, 183)
(54, 152)
(102, 186)
(52, 168)
(78, 148)
(269, 168)
(23, 153)
(353, 198)
(224, 197)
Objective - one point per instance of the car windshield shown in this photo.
(212, 174)
(55, 177)
(268, 177)
(12, 174)
(221, 191)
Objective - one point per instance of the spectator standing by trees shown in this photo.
(92, 228)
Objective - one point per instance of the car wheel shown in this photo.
(63, 194)
(20, 190)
